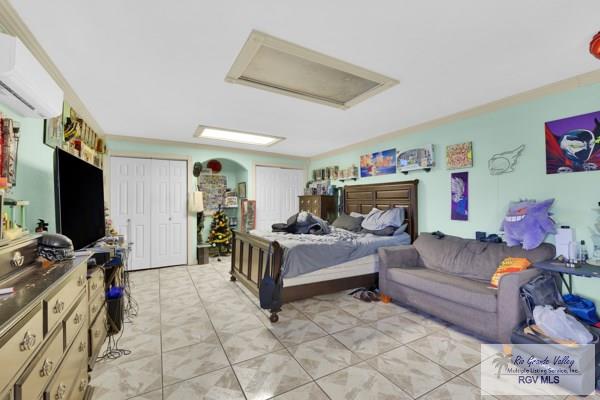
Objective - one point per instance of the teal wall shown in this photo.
(35, 171)
(577, 195)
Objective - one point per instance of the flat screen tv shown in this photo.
(79, 192)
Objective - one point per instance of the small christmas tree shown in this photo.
(220, 234)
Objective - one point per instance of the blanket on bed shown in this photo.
(303, 223)
(306, 253)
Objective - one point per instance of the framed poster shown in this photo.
(248, 215)
(241, 189)
(415, 159)
(379, 163)
(573, 144)
(459, 203)
(459, 155)
(214, 188)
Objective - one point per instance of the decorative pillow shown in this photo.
(379, 219)
(347, 222)
(387, 231)
(508, 265)
(358, 215)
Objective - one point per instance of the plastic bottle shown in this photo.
(583, 253)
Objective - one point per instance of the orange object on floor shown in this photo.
(386, 299)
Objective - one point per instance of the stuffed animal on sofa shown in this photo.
(527, 222)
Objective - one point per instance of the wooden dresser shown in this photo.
(44, 326)
(322, 206)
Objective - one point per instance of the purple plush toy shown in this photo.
(528, 222)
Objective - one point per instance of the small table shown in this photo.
(202, 251)
(583, 270)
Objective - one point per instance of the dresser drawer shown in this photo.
(76, 320)
(96, 283)
(59, 304)
(65, 384)
(34, 379)
(98, 332)
(20, 343)
(96, 305)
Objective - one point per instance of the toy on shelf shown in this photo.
(527, 222)
(13, 225)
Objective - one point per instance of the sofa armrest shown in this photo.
(510, 310)
(405, 256)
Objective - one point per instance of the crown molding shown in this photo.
(14, 25)
(136, 139)
(553, 88)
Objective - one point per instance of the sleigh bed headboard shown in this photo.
(362, 198)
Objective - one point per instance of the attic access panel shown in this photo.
(272, 64)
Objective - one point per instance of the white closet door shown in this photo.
(149, 204)
(277, 191)
(168, 212)
(130, 180)
(178, 205)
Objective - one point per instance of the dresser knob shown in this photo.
(81, 280)
(28, 342)
(17, 260)
(94, 285)
(47, 368)
(77, 318)
(61, 391)
(82, 346)
(94, 308)
(82, 385)
(59, 306)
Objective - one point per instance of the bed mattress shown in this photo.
(359, 266)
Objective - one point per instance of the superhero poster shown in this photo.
(573, 144)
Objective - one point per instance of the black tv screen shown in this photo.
(79, 190)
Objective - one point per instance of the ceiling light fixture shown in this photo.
(229, 135)
(595, 45)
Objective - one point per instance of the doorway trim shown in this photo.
(191, 219)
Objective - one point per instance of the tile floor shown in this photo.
(200, 336)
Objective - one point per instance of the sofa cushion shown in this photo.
(453, 288)
(470, 258)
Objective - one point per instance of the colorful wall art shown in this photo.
(414, 159)
(573, 144)
(379, 163)
(459, 155)
(459, 203)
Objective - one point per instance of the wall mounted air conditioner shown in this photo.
(25, 86)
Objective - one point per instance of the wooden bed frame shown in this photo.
(249, 254)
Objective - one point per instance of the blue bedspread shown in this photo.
(307, 253)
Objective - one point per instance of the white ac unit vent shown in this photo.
(25, 86)
(272, 64)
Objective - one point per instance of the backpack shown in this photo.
(269, 292)
(540, 291)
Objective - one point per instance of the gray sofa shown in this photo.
(450, 278)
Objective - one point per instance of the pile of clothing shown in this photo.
(303, 223)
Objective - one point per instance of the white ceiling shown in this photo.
(156, 69)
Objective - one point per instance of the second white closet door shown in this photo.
(168, 213)
(277, 191)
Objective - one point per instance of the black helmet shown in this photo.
(55, 247)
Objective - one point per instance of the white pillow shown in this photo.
(378, 219)
(359, 215)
